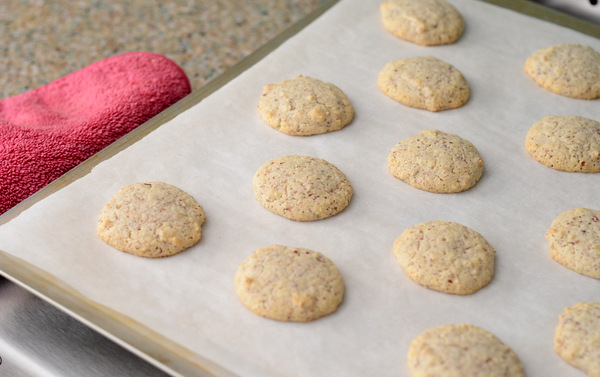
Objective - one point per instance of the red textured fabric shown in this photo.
(49, 130)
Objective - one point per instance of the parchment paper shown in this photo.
(213, 150)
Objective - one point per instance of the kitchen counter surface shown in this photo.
(46, 40)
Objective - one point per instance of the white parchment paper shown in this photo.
(213, 150)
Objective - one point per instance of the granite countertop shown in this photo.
(45, 40)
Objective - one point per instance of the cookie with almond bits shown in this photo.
(304, 106)
(424, 22)
(302, 188)
(425, 83)
(459, 351)
(289, 284)
(574, 241)
(445, 256)
(571, 70)
(151, 219)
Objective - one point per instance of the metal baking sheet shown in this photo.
(382, 310)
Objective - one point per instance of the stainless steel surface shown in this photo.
(588, 10)
(36, 339)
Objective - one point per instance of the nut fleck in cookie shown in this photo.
(577, 337)
(459, 351)
(302, 188)
(437, 162)
(424, 22)
(425, 83)
(305, 106)
(445, 256)
(570, 70)
(151, 219)
(574, 240)
(567, 143)
(289, 284)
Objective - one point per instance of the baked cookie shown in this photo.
(425, 83)
(574, 240)
(289, 284)
(302, 188)
(570, 70)
(437, 162)
(567, 143)
(305, 106)
(577, 337)
(151, 219)
(461, 350)
(424, 22)
(445, 256)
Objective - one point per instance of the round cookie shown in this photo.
(437, 162)
(289, 284)
(567, 143)
(570, 70)
(574, 240)
(302, 188)
(461, 350)
(445, 256)
(424, 22)
(424, 82)
(577, 337)
(305, 106)
(151, 219)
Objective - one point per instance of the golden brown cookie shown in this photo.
(424, 22)
(445, 256)
(305, 106)
(289, 284)
(570, 70)
(577, 337)
(574, 240)
(302, 188)
(460, 351)
(567, 143)
(425, 83)
(151, 219)
(437, 162)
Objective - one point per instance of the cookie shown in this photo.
(424, 22)
(437, 162)
(571, 70)
(445, 256)
(289, 284)
(151, 219)
(461, 350)
(302, 188)
(305, 106)
(577, 337)
(425, 83)
(567, 143)
(574, 240)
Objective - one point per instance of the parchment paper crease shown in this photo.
(213, 150)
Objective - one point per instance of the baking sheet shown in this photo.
(213, 149)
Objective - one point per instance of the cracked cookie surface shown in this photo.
(437, 162)
(577, 336)
(571, 70)
(574, 241)
(289, 284)
(304, 106)
(151, 219)
(461, 350)
(425, 83)
(302, 188)
(445, 256)
(566, 143)
(424, 22)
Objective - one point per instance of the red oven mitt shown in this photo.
(47, 131)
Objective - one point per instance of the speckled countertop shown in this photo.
(45, 40)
